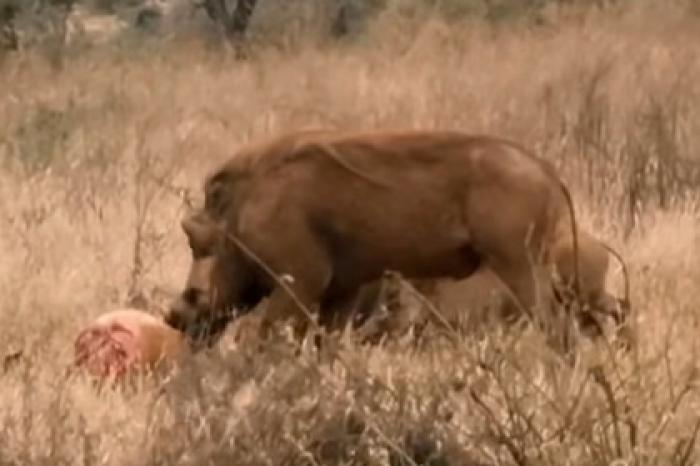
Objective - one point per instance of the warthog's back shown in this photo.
(407, 200)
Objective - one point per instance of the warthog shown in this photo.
(464, 304)
(309, 217)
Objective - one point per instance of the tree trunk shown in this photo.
(240, 18)
(235, 23)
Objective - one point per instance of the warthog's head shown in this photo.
(221, 283)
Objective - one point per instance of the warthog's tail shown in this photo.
(625, 304)
(574, 235)
(549, 169)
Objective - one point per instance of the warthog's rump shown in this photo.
(123, 341)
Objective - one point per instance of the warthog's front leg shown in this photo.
(298, 290)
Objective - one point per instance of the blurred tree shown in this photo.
(8, 34)
(234, 16)
(233, 20)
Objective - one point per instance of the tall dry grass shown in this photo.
(97, 159)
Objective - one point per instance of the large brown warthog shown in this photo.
(308, 218)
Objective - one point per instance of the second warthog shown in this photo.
(390, 308)
(309, 217)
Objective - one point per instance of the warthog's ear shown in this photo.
(200, 231)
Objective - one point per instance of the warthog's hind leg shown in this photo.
(531, 293)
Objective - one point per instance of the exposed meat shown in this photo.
(123, 341)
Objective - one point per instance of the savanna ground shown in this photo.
(98, 153)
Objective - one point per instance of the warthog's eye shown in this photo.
(191, 295)
(199, 252)
(199, 249)
(201, 233)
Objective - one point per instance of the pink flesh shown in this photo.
(110, 350)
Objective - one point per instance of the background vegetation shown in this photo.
(102, 144)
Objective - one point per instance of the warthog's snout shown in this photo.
(191, 314)
(176, 315)
(187, 309)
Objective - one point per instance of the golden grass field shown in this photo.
(96, 156)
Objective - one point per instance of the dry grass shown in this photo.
(93, 156)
